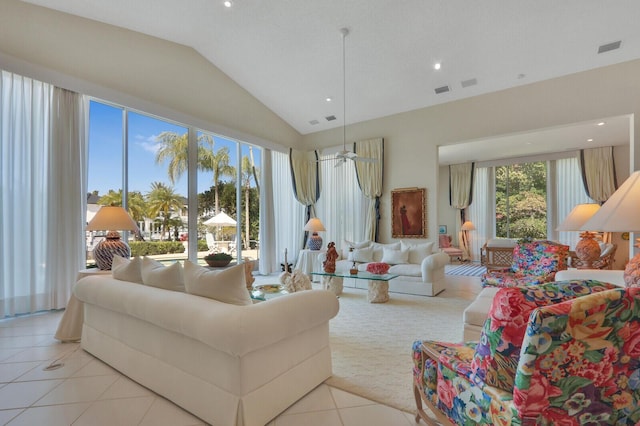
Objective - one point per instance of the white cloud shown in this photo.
(149, 146)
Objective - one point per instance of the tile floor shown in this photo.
(85, 391)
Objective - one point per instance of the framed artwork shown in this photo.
(442, 229)
(408, 213)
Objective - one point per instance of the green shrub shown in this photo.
(202, 245)
(150, 248)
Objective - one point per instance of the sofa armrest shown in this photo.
(608, 276)
(433, 263)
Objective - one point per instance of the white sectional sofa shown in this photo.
(227, 364)
(420, 266)
(476, 313)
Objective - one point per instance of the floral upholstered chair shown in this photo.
(561, 353)
(534, 263)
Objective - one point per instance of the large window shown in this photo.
(142, 162)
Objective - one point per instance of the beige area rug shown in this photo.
(371, 343)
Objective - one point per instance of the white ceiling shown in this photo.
(288, 53)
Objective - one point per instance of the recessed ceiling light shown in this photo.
(227, 3)
(437, 66)
(521, 76)
(329, 99)
(602, 123)
(589, 140)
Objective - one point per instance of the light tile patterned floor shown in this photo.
(85, 391)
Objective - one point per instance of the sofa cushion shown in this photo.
(395, 257)
(348, 245)
(378, 249)
(227, 285)
(498, 351)
(418, 252)
(127, 269)
(408, 270)
(155, 274)
(362, 255)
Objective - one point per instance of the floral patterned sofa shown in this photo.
(561, 353)
(534, 262)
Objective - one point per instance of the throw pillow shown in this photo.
(379, 247)
(363, 255)
(127, 269)
(498, 351)
(227, 285)
(347, 245)
(418, 252)
(155, 274)
(395, 257)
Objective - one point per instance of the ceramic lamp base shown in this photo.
(314, 242)
(104, 251)
(587, 250)
(632, 272)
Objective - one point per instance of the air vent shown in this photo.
(330, 118)
(470, 82)
(314, 122)
(610, 46)
(443, 89)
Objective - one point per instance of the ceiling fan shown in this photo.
(344, 155)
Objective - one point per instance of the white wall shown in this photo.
(157, 76)
(412, 138)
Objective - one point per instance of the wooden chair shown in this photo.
(497, 253)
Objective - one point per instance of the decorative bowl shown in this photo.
(217, 263)
(378, 268)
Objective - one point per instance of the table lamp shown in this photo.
(620, 214)
(111, 219)
(587, 249)
(315, 241)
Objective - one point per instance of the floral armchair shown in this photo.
(562, 353)
(533, 263)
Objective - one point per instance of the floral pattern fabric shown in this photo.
(497, 354)
(533, 263)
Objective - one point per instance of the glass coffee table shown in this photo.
(378, 283)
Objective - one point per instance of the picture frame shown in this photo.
(408, 213)
(442, 229)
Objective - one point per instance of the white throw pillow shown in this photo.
(227, 285)
(395, 257)
(378, 247)
(127, 269)
(418, 252)
(346, 245)
(155, 274)
(364, 255)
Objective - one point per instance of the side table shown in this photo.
(309, 261)
(70, 327)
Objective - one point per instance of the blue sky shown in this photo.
(105, 152)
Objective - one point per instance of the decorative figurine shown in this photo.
(332, 255)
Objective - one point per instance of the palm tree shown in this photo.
(246, 175)
(174, 148)
(219, 165)
(163, 201)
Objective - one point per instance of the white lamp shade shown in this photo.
(112, 218)
(468, 226)
(621, 212)
(578, 216)
(314, 225)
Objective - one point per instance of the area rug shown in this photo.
(468, 269)
(371, 343)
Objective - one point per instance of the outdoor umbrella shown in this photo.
(221, 219)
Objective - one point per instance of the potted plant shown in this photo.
(217, 259)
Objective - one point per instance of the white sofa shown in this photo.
(476, 313)
(420, 266)
(227, 364)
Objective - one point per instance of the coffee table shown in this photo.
(378, 283)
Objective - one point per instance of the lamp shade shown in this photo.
(620, 213)
(314, 225)
(112, 218)
(578, 216)
(468, 226)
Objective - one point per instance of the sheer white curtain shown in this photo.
(342, 206)
(569, 192)
(482, 210)
(43, 166)
(289, 214)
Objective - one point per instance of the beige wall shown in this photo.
(143, 72)
(412, 138)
